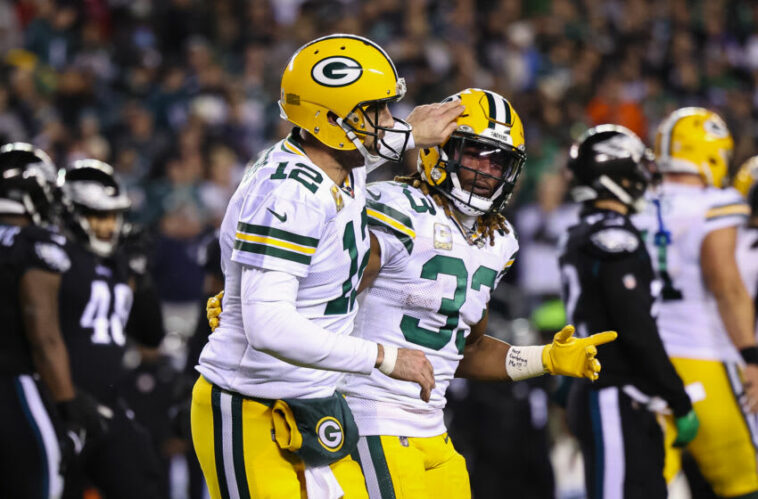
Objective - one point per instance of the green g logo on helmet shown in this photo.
(330, 434)
(336, 71)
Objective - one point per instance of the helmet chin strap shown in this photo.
(372, 160)
(457, 193)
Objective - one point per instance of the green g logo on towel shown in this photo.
(330, 434)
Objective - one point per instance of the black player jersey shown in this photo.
(608, 283)
(95, 301)
(22, 249)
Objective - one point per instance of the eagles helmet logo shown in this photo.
(336, 71)
(330, 434)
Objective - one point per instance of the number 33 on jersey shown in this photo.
(443, 283)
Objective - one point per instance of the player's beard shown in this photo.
(350, 159)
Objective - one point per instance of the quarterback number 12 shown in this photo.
(306, 175)
(346, 302)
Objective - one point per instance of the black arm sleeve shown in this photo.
(628, 300)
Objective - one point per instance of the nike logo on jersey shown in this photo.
(281, 218)
(375, 196)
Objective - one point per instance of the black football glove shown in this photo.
(84, 418)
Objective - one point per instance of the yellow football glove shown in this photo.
(572, 356)
(213, 309)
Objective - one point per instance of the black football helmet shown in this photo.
(611, 162)
(89, 187)
(27, 183)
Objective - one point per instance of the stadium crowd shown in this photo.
(179, 95)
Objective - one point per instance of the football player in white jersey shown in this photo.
(746, 181)
(439, 246)
(706, 315)
(266, 421)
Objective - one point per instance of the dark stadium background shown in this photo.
(179, 94)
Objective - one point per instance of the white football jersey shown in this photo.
(688, 318)
(287, 215)
(432, 287)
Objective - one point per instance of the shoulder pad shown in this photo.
(53, 255)
(37, 233)
(383, 188)
(615, 240)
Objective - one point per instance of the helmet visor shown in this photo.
(484, 166)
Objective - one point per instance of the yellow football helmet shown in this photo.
(694, 140)
(746, 181)
(345, 75)
(489, 127)
(747, 176)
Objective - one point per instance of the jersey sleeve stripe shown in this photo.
(404, 238)
(390, 215)
(390, 222)
(268, 241)
(284, 235)
(510, 262)
(261, 249)
(726, 210)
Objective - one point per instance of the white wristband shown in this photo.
(524, 362)
(389, 360)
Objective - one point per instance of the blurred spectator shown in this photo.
(11, 128)
(540, 226)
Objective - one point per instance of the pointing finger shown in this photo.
(603, 338)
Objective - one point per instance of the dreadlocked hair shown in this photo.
(488, 223)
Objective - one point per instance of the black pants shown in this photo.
(122, 463)
(29, 451)
(622, 444)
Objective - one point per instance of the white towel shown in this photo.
(320, 483)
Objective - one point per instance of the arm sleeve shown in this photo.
(629, 302)
(392, 250)
(278, 233)
(393, 230)
(273, 325)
